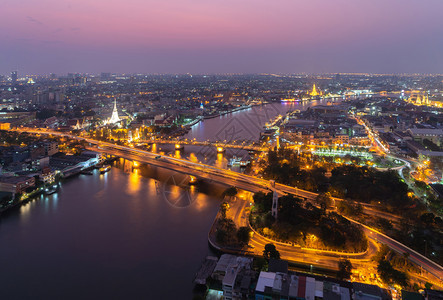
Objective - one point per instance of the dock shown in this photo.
(206, 270)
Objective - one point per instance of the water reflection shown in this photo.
(54, 201)
(25, 210)
(127, 166)
(102, 228)
(104, 177)
(202, 202)
(220, 162)
(193, 157)
(134, 183)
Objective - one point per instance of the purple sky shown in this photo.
(221, 36)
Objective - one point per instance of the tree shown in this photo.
(428, 285)
(389, 275)
(262, 201)
(231, 191)
(427, 218)
(325, 200)
(405, 258)
(260, 264)
(381, 254)
(271, 252)
(225, 231)
(224, 207)
(221, 236)
(385, 224)
(243, 235)
(344, 269)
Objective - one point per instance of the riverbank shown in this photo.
(40, 189)
(32, 196)
(222, 113)
(199, 119)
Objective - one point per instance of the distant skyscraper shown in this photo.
(105, 76)
(14, 76)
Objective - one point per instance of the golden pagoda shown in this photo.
(314, 92)
(419, 98)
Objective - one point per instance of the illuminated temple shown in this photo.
(315, 92)
(114, 117)
(419, 98)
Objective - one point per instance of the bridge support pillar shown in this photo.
(275, 204)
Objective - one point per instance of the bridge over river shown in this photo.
(242, 181)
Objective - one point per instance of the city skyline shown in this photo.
(221, 37)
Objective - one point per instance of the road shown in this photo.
(242, 181)
(398, 247)
(239, 212)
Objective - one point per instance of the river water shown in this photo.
(117, 235)
(245, 124)
(111, 236)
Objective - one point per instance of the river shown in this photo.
(244, 124)
(111, 236)
(117, 235)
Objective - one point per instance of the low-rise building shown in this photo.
(16, 184)
(291, 286)
(434, 135)
(236, 276)
(47, 176)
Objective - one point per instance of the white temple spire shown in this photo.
(114, 118)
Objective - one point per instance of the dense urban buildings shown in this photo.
(335, 174)
(221, 150)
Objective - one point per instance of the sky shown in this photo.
(221, 36)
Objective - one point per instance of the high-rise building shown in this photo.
(14, 76)
(105, 76)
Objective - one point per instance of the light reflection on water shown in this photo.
(105, 243)
(103, 229)
(193, 157)
(221, 162)
(134, 183)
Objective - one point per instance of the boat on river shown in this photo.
(105, 169)
(51, 189)
(234, 161)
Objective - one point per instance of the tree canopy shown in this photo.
(271, 252)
